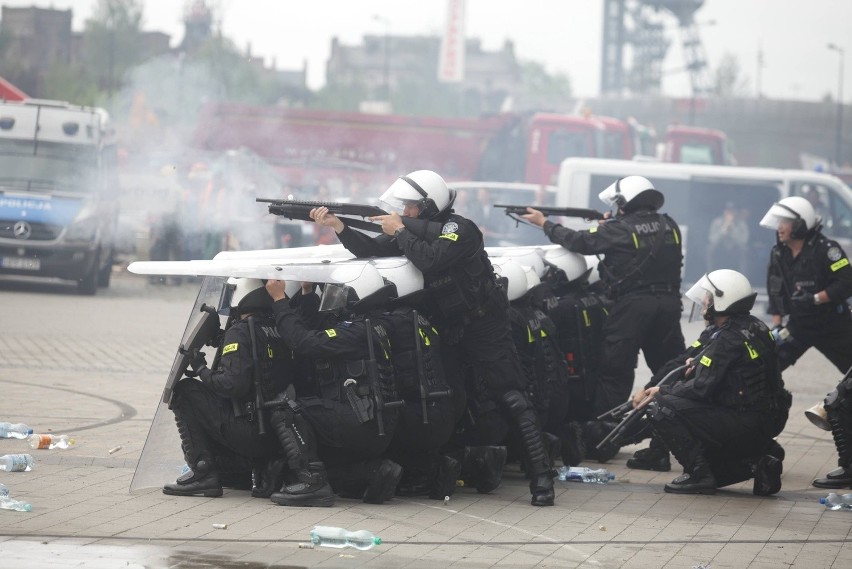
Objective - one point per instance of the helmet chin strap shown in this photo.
(428, 208)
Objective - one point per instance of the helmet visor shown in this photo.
(701, 298)
(775, 216)
(334, 297)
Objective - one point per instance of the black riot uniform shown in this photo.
(719, 420)
(215, 413)
(821, 265)
(641, 268)
(427, 419)
(469, 309)
(352, 424)
(838, 409)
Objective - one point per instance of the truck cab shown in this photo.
(696, 145)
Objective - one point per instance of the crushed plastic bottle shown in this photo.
(836, 501)
(14, 431)
(50, 441)
(7, 503)
(330, 536)
(17, 462)
(585, 474)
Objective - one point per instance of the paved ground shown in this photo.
(94, 367)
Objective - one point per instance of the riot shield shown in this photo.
(161, 460)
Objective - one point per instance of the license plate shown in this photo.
(20, 263)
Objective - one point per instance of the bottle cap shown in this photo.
(377, 540)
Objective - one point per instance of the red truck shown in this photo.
(310, 146)
(696, 145)
(9, 92)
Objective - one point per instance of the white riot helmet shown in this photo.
(632, 193)
(722, 292)
(423, 187)
(529, 258)
(516, 285)
(533, 279)
(335, 295)
(570, 263)
(796, 209)
(406, 277)
(248, 295)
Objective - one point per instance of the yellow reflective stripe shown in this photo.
(751, 351)
(593, 230)
(530, 338)
(586, 318)
(635, 240)
(705, 361)
(606, 311)
(676, 237)
(331, 332)
(839, 264)
(426, 339)
(543, 334)
(696, 344)
(450, 236)
(269, 352)
(230, 348)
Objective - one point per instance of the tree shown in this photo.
(728, 80)
(112, 41)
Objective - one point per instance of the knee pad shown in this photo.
(515, 402)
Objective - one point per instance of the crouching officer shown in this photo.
(838, 409)
(720, 419)
(350, 397)
(215, 411)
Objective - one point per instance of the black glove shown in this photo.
(802, 299)
(197, 362)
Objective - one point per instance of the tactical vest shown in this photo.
(275, 364)
(580, 319)
(646, 266)
(330, 374)
(409, 366)
(540, 353)
(461, 291)
(756, 384)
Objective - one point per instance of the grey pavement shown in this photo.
(94, 368)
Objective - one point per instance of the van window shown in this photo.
(562, 144)
(831, 208)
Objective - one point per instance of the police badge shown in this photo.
(450, 227)
(834, 254)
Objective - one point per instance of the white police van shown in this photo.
(58, 192)
(696, 195)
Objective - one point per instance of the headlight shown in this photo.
(83, 230)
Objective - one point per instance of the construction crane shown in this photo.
(636, 23)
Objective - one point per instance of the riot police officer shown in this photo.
(838, 409)
(641, 266)
(215, 412)
(351, 389)
(720, 418)
(466, 305)
(809, 280)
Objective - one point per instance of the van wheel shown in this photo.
(105, 273)
(88, 285)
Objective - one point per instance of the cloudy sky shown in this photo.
(564, 35)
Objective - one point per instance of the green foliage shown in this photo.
(728, 80)
(111, 41)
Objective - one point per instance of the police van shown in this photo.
(58, 192)
(699, 197)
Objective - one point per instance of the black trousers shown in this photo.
(212, 426)
(833, 339)
(639, 321)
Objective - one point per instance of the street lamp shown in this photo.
(386, 54)
(838, 140)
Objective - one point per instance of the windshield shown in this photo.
(69, 167)
(562, 144)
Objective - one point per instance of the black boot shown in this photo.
(767, 476)
(312, 489)
(200, 481)
(267, 476)
(384, 475)
(447, 471)
(541, 489)
(483, 466)
(655, 457)
(593, 433)
(838, 478)
(532, 446)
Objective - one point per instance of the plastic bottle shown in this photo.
(4, 490)
(17, 462)
(329, 536)
(14, 431)
(585, 474)
(50, 441)
(7, 503)
(836, 501)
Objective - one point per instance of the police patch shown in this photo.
(834, 253)
(450, 227)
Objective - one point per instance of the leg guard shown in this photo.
(697, 477)
(535, 455)
(202, 478)
(840, 419)
(311, 487)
